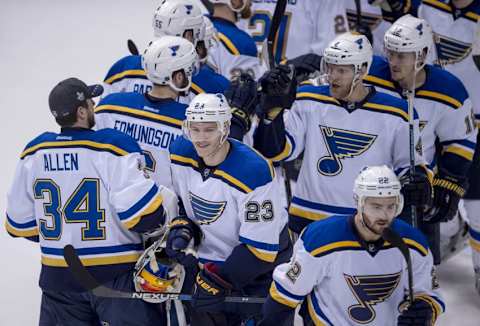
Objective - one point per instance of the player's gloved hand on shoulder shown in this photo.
(242, 95)
(305, 65)
(420, 313)
(182, 231)
(210, 289)
(416, 190)
(278, 89)
(448, 189)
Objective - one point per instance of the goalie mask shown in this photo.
(155, 272)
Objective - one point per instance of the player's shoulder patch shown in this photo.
(208, 81)
(236, 41)
(129, 66)
(444, 87)
(332, 234)
(412, 236)
(379, 74)
(388, 104)
(321, 94)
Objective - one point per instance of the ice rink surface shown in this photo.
(45, 41)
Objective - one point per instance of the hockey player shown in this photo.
(357, 127)
(85, 188)
(454, 24)
(236, 52)
(445, 113)
(180, 18)
(228, 193)
(346, 273)
(154, 119)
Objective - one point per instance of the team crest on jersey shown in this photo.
(370, 290)
(449, 50)
(174, 50)
(206, 211)
(341, 144)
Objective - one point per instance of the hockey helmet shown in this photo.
(377, 181)
(167, 55)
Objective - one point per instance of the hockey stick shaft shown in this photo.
(411, 136)
(358, 10)
(87, 281)
(396, 241)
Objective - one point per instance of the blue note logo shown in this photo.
(189, 9)
(174, 50)
(359, 41)
(205, 211)
(370, 290)
(419, 28)
(449, 50)
(341, 144)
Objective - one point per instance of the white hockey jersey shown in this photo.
(338, 143)
(343, 283)
(85, 188)
(306, 27)
(443, 106)
(234, 52)
(237, 202)
(153, 124)
(454, 32)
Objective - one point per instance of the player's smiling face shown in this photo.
(379, 212)
(402, 65)
(340, 78)
(205, 137)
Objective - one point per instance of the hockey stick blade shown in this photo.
(396, 241)
(82, 275)
(132, 47)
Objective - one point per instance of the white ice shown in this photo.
(45, 41)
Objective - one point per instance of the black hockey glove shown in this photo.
(279, 88)
(420, 313)
(417, 191)
(210, 289)
(182, 232)
(305, 65)
(242, 96)
(448, 189)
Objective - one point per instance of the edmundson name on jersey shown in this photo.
(60, 162)
(146, 135)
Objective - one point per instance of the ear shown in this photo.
(82, 113)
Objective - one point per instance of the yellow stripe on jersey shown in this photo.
(438, 4)
(133, 72)
(121, 259)
(233, 180)
(275, 294)
(197, 88)
(460, 151)
(140, 113)
(474, 244)
(387, 108)
(21, 233)
(184, 159)
(417, 245)
(473, 16)
(306, 214)
(60, 144)
(380, 81)
(154, 205)
(286, 151)
(313, 314)
(320, 97)
(440, 96)
(335, 245)
(230, 46)
(268, 257)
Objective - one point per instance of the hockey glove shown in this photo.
(420, 313)
(242, 96)
(279, 88)
(417, 190)
(210, 290)
(182, 231)
(305, 65)
(448, 189)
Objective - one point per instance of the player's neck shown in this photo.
(219, 156)
(460, 4)
(365, 233)
(224, 12)
(420, 78)
(163, 92)
(358, 94)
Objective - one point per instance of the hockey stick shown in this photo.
(396, 241)
(476, 47)
(358, 9)
(132, 47)
(86, 279)
(411, 144)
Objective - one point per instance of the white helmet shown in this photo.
(167, 55)
(229, 3)
(207, 39)
(175, 17)
(409, 34)
(209, 108)
(377, 181)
